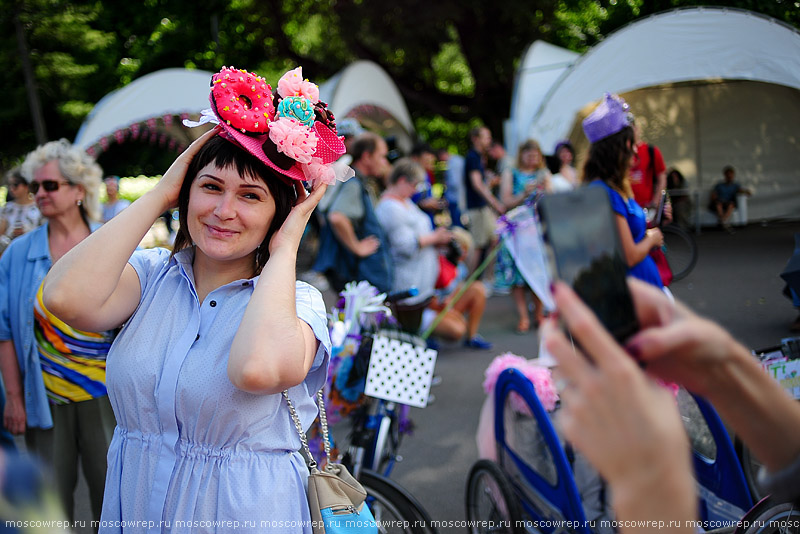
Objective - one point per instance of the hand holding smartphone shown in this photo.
(584, 250)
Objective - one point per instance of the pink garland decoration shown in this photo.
(318, 172)
(539, 376)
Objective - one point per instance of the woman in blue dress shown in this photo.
(212, 334)
(530, 177)
(608, 129)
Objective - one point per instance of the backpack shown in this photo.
(342, 266)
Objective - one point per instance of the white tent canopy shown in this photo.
(365, 91)
(542, 65)
(677, 46)
(709, 86)
(164, 92)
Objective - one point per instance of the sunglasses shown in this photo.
(47, 185)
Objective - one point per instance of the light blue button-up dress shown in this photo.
(191, 452)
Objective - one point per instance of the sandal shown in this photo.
(523, 326)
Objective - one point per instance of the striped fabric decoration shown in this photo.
(73, 361)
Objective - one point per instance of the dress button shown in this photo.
(213, 303)
(198, 337)
(245, 284)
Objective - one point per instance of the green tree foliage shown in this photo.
(453, 60)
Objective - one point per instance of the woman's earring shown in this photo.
(79, 203)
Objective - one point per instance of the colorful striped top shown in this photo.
(73, 362)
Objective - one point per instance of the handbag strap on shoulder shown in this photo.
(323, 423)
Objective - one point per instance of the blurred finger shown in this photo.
(654, 343)
(318, 191)
(653, 307)
(584, 325)
(572, 363)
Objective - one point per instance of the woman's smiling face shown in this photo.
(228, 215)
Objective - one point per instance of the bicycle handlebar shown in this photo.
(400, 295)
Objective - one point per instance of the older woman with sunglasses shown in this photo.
(54, 376)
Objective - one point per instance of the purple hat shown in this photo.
(610, 117)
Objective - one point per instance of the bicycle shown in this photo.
(378, 425)
(680, 249)
(378, 429)
(788, 351)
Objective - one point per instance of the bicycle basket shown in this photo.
(400, 368)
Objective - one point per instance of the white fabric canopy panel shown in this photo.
(362, 85)
(677, 46)
(165, 92)
(542, 66)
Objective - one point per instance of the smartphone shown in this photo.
(584, 250)
(660, 209)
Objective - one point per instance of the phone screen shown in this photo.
(584, 247)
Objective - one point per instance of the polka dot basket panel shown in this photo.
(400, 371)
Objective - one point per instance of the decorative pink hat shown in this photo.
(292, 131)
(610, 117)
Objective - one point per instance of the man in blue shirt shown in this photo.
(723, 197)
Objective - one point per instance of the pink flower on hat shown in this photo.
(293, 139)
(292, 84)
(310, 91)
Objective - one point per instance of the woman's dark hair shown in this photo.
(567, 145)
(226, 155)
(675, 179)
(609, 159)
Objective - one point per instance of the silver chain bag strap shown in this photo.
(335, 497)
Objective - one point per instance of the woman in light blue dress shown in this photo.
(213, 332)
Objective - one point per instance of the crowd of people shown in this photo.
(160, 371)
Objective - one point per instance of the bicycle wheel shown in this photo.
(492, 507)
(781, 518)
(750, 466)
(395, 509)
(680, 250)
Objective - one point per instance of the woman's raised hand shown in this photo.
(293, 227)
(655, 236)
(170, 184)
(675, 344)
(628, 427)
(612, 410)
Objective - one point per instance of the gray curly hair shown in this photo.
(75, 165)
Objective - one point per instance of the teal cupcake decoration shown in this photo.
(297, 108)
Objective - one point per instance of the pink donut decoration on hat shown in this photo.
(243, 100)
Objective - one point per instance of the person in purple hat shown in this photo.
(609, 130)
(213, 331)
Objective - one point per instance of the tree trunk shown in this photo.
(30, 82)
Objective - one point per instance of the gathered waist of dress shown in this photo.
(194, 449)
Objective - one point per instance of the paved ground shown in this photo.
(735, 282)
